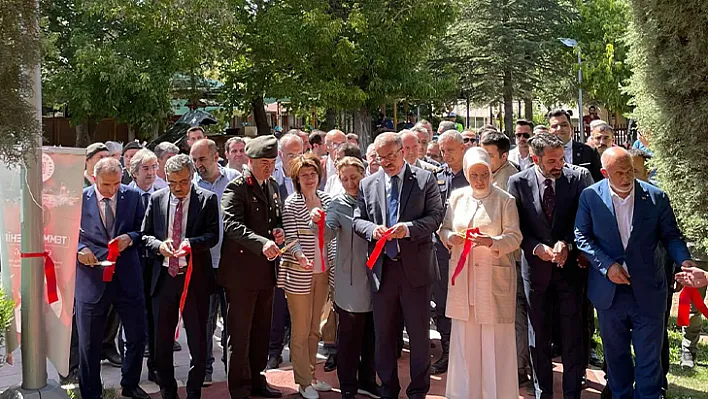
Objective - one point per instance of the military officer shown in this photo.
(450, 177)
(252, 232)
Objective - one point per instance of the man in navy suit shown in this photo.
(547, 197)
(111, 212)
(181, 226)
(619, 223)
(406, 199)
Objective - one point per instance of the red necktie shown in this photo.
(173, 268)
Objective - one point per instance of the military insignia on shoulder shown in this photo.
(249, 180)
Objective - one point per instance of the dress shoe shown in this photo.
(113, 358)
(152, 376)
(70, 379)
(135, 393)
(331, 363)
(595, 359)
(267, 392)
(370, 390)
(274, 362)
(440, 367)
(321, 386)
(176, 347)
(207, 381)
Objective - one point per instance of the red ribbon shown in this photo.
(688, 295)
(380, 244)
(187, 278)
(320, 237)
(113, 253)
(469, 235)
(49, 274)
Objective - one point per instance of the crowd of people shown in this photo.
(302, 238)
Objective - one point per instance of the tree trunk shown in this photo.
(362, 127)
(508, 93)
(528, 108)
(330, 120)
(131, 133)
(259, 114)
(85, 132)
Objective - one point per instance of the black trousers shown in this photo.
(396, 298)
(280, 324)
(165, 304)
(355, 350)
(249, 317)
(568, 296)
(150, 321)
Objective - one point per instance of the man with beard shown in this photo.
(547, 199)
(575, 153)
(252, 233)
(602, 136)
(213, 177)
(521, 155)
(626, 285)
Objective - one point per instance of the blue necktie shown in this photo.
(392, 246)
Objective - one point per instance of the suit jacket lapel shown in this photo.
(640, 201)
(562, 187)
(92, 209)
(381, 194)
(193, 212)
(606, 196)
(408, 177)
(532, 182)
(120, 204)
(165, 207)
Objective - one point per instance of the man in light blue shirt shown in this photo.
(213, 177)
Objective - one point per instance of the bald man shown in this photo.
(333, 140)
(411, 149)
(627, 287)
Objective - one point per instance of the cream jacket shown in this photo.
(488, 281)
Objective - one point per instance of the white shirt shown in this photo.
(176, 241)
(515, 156)
(624, 212)
(568, 152)
(101, 210)
(331, 167)
(541, 181)
(387, 181)
(333, 187)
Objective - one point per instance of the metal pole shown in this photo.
(34, 362)
(580, 96)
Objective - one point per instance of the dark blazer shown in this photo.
(93, 234)
(420, 209)
(535, 226)
(588, 158)
(598, 236)
(202, 232)
(250, 215)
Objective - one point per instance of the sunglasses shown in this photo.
(524, 135)
(469, 139)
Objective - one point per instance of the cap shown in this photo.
(262, 147)
(133, 145)
(95, 148)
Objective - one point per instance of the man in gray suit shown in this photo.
(405, 200)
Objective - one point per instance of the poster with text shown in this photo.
(62, 185)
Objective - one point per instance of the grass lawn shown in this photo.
(683, 384)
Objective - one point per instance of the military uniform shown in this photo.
(251, 212)
(447, 182)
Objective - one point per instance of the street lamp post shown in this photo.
(572, 43)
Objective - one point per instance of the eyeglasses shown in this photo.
(389, 157)
(524, 135)
(469, 139)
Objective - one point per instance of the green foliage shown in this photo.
(667, 48)
(7, 314)
(19, 54)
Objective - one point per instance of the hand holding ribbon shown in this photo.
(320, 235)
(469, 240)
(113, 253)
(378, 248)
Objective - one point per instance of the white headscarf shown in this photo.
(477, 156)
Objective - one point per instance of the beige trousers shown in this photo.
(305, 315)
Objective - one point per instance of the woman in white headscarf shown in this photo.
(482, 301)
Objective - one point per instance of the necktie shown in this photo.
(146, 200)
(109, 215)
(392, 246)
(549, 199)
(173, 268)
(264, 187)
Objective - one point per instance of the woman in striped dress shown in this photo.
(305, 272)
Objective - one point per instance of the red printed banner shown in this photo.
(687, 296)
(61, 196)
(378, 248)
(469, 235)
(320, 238)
